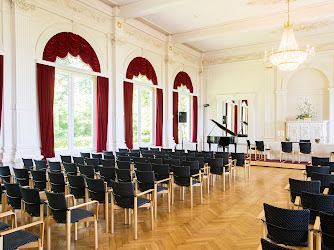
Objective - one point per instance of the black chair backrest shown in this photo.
(224, 155)
(5, 173)
(85, 155)
(181, 158)
(79, 160)
(167, 150)
(94, 162)
(109, 157)
(192, 151)
(40, 164)
(145, 180)
(248, 144)
(87, 170)
(199, 159)
(147, 155)
(77, 185)
(135, 153)
(107, 174)
(172, 163)
(324, 178)
(267, 245)
(55, 166)
(160, 153)
(96, 189)
(316, 203)
(143, 166)
(305, 147)
(155, 161)
(28, 163)
(139, 159)
(122, 154)
(123, 164)
(182, 175)
(110, 153)
(57, 182)
(298, 186)
(315, 169)
(327, 225)
(70, 168)
(161, 171)
(216, 165)
(305, 141)
(331, 188)
(124, 158)
(174, 154)
(286, 146)
(240, 157)
(14, 195)
(57, 204)
(328, 163)
(97, 155)
(123, 150)
(39, 179)
(32, 200)
(123, 193)
(190, 155)
(66, 158)
(180, 150)
(194, 166)
(205, 155)
(155, 149)
(316, 161)
(22, 176)
(108, 163)
(123, 175)
(285, 226)
(259, 145)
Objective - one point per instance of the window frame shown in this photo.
(79, 74)
(189, 113)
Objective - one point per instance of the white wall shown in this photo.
(26, 28)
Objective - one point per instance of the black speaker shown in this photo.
(224, 119)
(182, 117)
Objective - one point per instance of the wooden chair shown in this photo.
(319, 161)
(18, 238)
(267, 245)
(239, 160)
(287, 148)
(63, 214)
(11, 198)
(286, 226)
(124, 197)
(205, 168)
(260, 150)
(305, 148)
(324, 231)
(182, 177)
(249, 149)
(217, 168)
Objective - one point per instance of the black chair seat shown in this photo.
(161, 188)
(18, 239)
(140, 202)
(78, 214)
(186, 182)
(36, 213)
(3, 226)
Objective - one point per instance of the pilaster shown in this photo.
(331, 116)
(269, 107)
(280, 110)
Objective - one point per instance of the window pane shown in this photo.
(135, 115)
(184, 102)
(83, 115)
(146, 115)
(60, 112)
(74, 62)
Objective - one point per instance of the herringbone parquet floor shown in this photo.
(225, 220)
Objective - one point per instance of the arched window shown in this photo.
(140, 91)
(184, 101)
(69, 95)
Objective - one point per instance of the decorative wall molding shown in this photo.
(185, 56)
(266, 2)
(22, 5)
(138, 35)
(118, 40)
(307, 26)
(230, 59)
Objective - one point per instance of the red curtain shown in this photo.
(46, 82)
(182, 78)
(128, 100)
(102, 112)
(195, 118)
(159, 118)
(63, 43)
(175, 117)
(140, 65)
(235, 118)
(1, 86)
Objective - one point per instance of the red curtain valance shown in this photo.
(66, 42)
(182, 78)
(142, 66)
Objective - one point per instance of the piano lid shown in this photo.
(224, 129)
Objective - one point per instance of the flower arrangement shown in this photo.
(306, 109)
(288, 139)
(317, 140)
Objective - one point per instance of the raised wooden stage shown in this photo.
(278, 164)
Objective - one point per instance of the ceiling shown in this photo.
(214, 26)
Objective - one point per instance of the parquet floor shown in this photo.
(225, 220)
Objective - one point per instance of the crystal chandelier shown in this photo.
(289, 56)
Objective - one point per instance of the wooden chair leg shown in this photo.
(156, 203)
(112, 216)
(202, 191)
(224, 179)
(248, 171)
(135, 217)
(152, 216)
(208, 182)
(48, 230)
(168, 197)
(318, 241)
(68, 233)
(191, 192)
(76, 231)
(95, 233)
(106, 215)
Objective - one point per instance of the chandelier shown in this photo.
(289, 56)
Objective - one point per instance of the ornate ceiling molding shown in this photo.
(266, 2)
(22, 5)
(307, 26)
(185, 56)
(231, 59)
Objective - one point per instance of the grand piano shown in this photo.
(224, 141)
